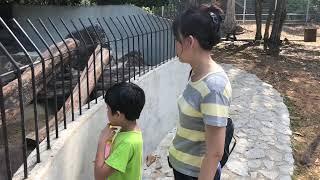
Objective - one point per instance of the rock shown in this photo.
(267, 124)
(289, 158)
(253, 175)
(150, 160)
(268, 164)
(267, 138)
(239, 168)
(254, 164)
(274, 155)
(267, 131)
(286, 169)
(158, 165)
(272, 174)
(284, 177)
(255, 153)
(284, 148)
(262, 145)
(169, 173)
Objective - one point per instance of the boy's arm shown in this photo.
(101, 169)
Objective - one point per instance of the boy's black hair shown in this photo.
(202, 23)
(127, 98)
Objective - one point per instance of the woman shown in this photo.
(204, 105)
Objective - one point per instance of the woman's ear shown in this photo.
(190, 41)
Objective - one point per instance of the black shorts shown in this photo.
(180, 176)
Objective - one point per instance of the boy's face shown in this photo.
(114, 119)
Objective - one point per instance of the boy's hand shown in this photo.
(107, 134)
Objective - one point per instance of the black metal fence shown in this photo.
(54, 66)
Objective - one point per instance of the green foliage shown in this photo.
(46, 2)
(148, 10)
(141, 3)
(297, 6)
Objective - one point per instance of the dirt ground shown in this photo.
(295, 73)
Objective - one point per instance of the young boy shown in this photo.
(125, 102)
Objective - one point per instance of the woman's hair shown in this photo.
(202, 23)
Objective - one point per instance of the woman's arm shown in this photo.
(215, 137)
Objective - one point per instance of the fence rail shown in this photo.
(63, 66)
(297, 11)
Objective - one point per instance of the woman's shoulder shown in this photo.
(217, 81)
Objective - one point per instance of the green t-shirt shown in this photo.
(126, 156)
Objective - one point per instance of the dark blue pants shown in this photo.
(180, 176)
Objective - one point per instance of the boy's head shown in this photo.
(125, 102)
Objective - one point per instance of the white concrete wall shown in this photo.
(72, 154)
(162, 88)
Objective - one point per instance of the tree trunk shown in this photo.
(230, 19)
(83, 89)
(279, 18)
(11, 90)
(267, 29)
(258, 14)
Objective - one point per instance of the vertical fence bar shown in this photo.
(24, 142)
(156, 40)
(70, 69)
(87, 67)
(116, 49)
(151, 44)
(94, 59)
(110, 57)
(122, 48)
(132, 35)
(146, 33)
(79, 76)
(167, 28)
(44, 75)
(162, 11)
(4, 128)
(63, 71)
(133, 41)
(142, 44)
(128, 47)
(34, 94)
(101, 55)
(54, 89)
(244, 11)
(307, 13)
(174, 45)
(161, 27)
(55, 96)
(94, 65)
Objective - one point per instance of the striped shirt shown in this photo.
(204, 102)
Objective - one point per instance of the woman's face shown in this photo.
(184, 48)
